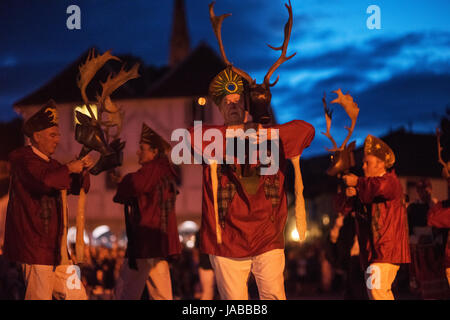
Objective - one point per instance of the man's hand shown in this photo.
(350, 180)
(75, 166)
(350, 192)
(88, 162)
(115, 176)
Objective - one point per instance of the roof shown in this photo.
(190, 77)
(63, 87)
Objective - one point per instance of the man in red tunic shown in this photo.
(34, 226)
(381, 218)
(149, 196)
(244, 212)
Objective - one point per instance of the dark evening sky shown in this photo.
(399, 75)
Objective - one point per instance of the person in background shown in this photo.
(381, 218)
(148, 196)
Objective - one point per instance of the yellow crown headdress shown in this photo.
(225, 83)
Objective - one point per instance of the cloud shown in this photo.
(412, 100)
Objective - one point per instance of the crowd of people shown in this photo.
(99, 273)
(310, 273)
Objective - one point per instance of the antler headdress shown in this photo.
(342, 158)
(260, 95)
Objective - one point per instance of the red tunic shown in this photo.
(33, 227)
(382, 220)
(251, 225)
(153, 189)
(439, 217)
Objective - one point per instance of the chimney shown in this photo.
(179, 39)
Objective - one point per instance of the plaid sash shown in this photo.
(166, 205)
(272, 192)
(227, 190)
(225, 193)
(47, 203)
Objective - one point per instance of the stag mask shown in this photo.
(89, 132)
(342, 158)
(259, 97)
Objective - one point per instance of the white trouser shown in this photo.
(207, 281)
(43, 281)
(232, 275)
(153, 272)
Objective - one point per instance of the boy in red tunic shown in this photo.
(152, 232)
(381, 218)
(245, 212)
(34, 228)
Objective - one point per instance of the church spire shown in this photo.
(179, 40)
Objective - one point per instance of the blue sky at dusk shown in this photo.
(399, 75)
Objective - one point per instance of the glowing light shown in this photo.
(83, 109)
(188, 227)
(294, 235)
(325, 220)
(201, 101)
(190, 244)
(99, 231)
(72, 235)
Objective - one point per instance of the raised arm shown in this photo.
(370, 188)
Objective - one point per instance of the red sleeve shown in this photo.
(39, 177)
(370, 188)
(295, 136)
(438, 216)
(136, 183)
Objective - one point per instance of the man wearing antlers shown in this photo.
(244, 211)
(244, 208)
(382, 225)
(34, 227)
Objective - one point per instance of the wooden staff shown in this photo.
(64, 252)
(79, 244)
(215, 184)
(300, 211)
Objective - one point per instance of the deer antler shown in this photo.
(115, 116)
(89, 69)
(283, 48)
(328, 116)
(114, 82)
(352, 110)
(217, 27)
